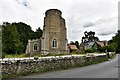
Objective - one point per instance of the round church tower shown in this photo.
(53, 12)
(54, 39)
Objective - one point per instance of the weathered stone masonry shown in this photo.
(26, 67)
(54, 38)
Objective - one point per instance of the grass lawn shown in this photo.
(15, 55)
(23, 55)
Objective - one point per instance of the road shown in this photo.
(108, 69)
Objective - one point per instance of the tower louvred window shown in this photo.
(54, 43)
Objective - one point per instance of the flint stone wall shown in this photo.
(25, 67)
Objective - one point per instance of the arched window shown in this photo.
(54, 43)
(35, 47)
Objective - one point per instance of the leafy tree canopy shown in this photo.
(116, 39)
(15, 36)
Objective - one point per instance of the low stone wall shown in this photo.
(25, 67)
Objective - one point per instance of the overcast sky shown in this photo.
(100, 16)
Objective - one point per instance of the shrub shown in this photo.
(111, 48)
(90, 50)
(82, 52)
(73, 52)
(94, 49)
(102, 49)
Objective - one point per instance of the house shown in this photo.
(91, 41)
(94, 44)
(102, 43)
(73, 48)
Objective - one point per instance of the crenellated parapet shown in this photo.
(33, 40)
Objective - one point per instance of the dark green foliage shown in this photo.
(83, 52)
(72, 43)
(90, 50)
(110, 48)
(116, 39)
(89, 37)
(102, 49)
(10, 39)
(15, 36)
(96, 38)
(115, 45)
(25, 33)
(0, 41)
(77, 44)
(3, 55)
(37, 34)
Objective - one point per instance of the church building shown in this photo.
(54, 37)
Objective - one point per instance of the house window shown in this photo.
(35, 47)
(54, 43)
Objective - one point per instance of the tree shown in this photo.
(77, 44)
(0, 41)
(116, 39)
(110, 48)
(92, 37)
(114, 45)
(25, 33)
(102, 49)
(86, 34)
(72, 43)
(16, 36)
(10, 39)
(96, 39)
(89, 37)
(38, 33)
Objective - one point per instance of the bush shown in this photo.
(115, 46)
(82, 52)
(73, 52)
(111, 48)
(94, 49)
(102, 49)
(90, 50)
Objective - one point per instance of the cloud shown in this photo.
(106, 34)
(107, 29)
(23, 2)
(89, 24)
(80, 15)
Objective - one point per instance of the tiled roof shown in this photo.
(91, 44)
(101, 43)
(73, 47)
